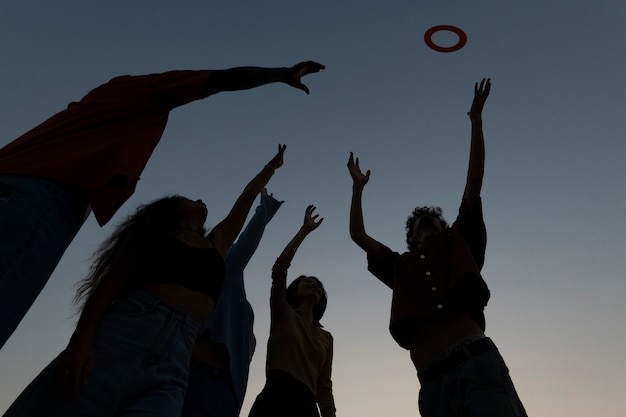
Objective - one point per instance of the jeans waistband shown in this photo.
(456, 358)
(150, 301)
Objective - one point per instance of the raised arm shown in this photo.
(243, 78)
(325, 397)
(242, 250)
(279, 270)
(476, 166)
(225, 233)
(357, 227)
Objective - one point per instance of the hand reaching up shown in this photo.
(480, 96)
(310, 220)
(277, 161)
(358, 178)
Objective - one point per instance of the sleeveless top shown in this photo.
(168, 260)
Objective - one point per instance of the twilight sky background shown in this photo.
(554, 193)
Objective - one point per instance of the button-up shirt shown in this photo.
(439, 276)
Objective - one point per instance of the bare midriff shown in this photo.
(433, 338)
(194, 303)
(209, 353)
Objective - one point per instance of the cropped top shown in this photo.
(168, 260)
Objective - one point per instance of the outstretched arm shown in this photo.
(279, 270)
(242, 250)
(476, 167)
(357, 227)
(243, 78)
(225, 233)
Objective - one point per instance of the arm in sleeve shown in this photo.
(242, 250)
(382, 264)
(325, 397)
(150, 92)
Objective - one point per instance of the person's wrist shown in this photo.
(266, 172)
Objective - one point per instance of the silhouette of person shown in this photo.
(89, 157)
(220, 362)
(299, 351)
(153, 284)
(437, 310)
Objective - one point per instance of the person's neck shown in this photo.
(306, 310)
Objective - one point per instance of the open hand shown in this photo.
(480, 96)
(310, 220)
(300, 70)
(358, 177)
(277, 161)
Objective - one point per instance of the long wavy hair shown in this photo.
(294, 301)
(157, 218)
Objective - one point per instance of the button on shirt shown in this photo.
(424, 281)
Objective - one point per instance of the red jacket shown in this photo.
(103, 142)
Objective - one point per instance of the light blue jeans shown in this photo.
(142, 350)
(209, 393)
(38, 220)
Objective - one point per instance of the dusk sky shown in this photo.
(554, 192)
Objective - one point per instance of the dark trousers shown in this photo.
(284, 396)
(475, 383)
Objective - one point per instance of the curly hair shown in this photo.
(294, 301)
(157, 218)
(419, 212)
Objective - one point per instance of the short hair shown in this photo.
(294, 301)
(419, 212)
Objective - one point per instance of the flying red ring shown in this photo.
(432, 45)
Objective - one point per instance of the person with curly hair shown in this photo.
(152, 285)
(439, 295)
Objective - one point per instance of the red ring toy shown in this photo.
(432, 45)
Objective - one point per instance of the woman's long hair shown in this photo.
(158, 218)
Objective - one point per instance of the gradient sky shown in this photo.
(554, 193)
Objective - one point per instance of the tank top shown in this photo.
(169, 260)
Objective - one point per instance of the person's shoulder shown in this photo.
(326, 335)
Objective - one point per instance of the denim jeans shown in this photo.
(38, 220)
(479, 387)
(141, 354)
(209, 393)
